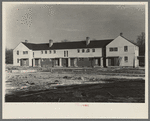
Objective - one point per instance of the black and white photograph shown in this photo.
(75, 56)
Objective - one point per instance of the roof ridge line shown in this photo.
(69, 41)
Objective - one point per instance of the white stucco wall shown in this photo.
(21, 47)
(132, 53)
(72, 53)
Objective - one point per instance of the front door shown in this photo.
(65, 62)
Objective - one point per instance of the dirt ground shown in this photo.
(76, 85)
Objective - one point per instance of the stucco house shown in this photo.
(88, 53)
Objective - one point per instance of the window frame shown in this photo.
(88, 50)
(17, 60)
(115, 48)
(45, 51)
(125, 48)
(78, 50)
(110, 49)
(17, 52)
(93, 50)
(64, 53)
(126, 59)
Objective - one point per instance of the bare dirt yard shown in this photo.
(75, 85)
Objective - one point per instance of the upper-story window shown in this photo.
(110, 49)
(42, 52)
(45, 51)
(88, 50)
(83, 50)
(65, 53)
(93, 50)
(54, 51)
(126, 59)
(25, 52)
(113, 49)
(17, 52)
(33, 54)
(49, 51)
(78, 50)
(125, 48)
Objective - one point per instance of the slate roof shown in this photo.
(68, 45)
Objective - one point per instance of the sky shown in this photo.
(38, 23)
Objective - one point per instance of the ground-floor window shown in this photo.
(17, 60)
(126, 59)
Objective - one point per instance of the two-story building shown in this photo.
(122, 52)
(88, 53)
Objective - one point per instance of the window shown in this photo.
(110, 49)
(88, 50)
(25, 52)
(17, 52)
(17, 60)
(113, 49)
(64, 53)
(33, 54)
(126, 59)
(125, 48)
(45, 51)
(50, 52)
(42, 52)
(67, 53)
(78, 50)
(54, 51)
(83, 50)
(93, 50)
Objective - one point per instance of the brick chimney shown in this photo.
(87, 40)
(50, 43)
(26, 41)
(121, 34)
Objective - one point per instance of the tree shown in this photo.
(141, 43)
(9, 56)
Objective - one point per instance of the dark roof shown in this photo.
(129, 41)
(68, 45)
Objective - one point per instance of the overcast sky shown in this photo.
(38, 23)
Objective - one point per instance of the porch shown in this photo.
(113, 61)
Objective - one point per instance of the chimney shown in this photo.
(26, 41)
(121, 34)
(87, 40)
(50, 43)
